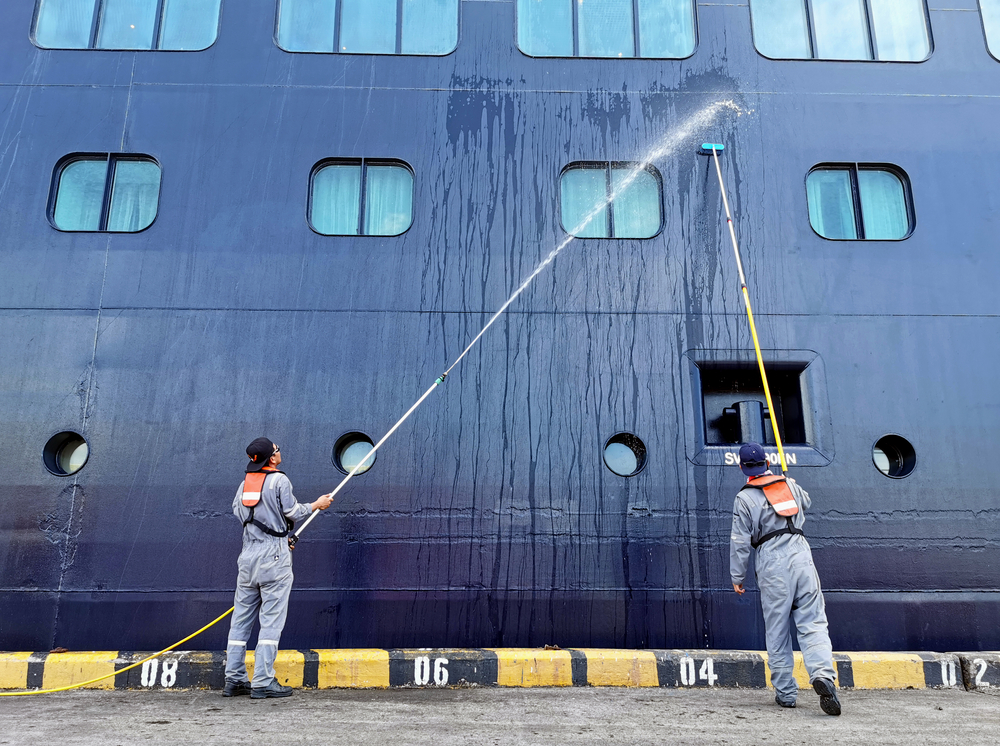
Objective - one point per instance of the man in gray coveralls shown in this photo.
(786, 576)
(266, 507)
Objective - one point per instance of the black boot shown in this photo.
(235, 688)
(827, 692)
(784, 703)
(274, 689)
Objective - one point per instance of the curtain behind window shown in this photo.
(636, 207)
(666, 28)
(64, 24)
(780, 29)
(545, 27)
(80, 196)
(336, 200)
(606, 28)
(900, 30)
(127, 24)
(189, 24)
(368, 26)
(306, 25)
(134, 196)
(584, 196)
(388, 200)
(883, 205)
(831, 203)
(430, 26)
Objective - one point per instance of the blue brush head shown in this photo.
(706, 148)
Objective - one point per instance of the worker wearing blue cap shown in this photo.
(786, 576)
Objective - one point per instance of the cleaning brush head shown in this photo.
(707, 147)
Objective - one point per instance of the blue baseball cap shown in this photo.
(753, 461)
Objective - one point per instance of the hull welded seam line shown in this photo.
(505, 667)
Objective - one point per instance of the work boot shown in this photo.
(235, 688)
(274, 689)
(827, 692)
(784, 703)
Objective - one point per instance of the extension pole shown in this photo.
(746, 300)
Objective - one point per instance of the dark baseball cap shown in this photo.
(753, 461)
(259, 452)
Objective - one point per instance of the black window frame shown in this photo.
(364, 163)
(337, 13)
(872, 41)
(608, 166)
(109, 180)
(635, 37)
(95, 30)
(859, 218)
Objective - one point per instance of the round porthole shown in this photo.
(65, 454)
(625, 454)
(350, 450)
(894, 456)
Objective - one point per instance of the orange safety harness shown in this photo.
(253, 487)
(780, 498)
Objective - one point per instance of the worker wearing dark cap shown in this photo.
(266, 507)
(768, 516)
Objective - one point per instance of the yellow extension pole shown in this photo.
(746, 300)
(120, 670)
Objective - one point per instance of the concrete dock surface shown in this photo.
(574, 715)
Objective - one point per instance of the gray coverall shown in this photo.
(265, 580)
(789, 587)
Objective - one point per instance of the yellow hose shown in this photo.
(121, 670)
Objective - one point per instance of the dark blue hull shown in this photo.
(489, 519)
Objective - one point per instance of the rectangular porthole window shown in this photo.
(610, 200)
(418, 27)
(885, 30)
(657, 29)
(990, 11)
(176, 25)
(859, 201)
(361, 198)
(116, 193)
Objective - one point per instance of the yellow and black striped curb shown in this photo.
(376, 668)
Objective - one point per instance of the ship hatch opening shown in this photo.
(65, 453)
(350, 450)
(625, 454)
(735, 408)
(894, 456)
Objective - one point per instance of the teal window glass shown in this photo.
(886, 30)
(991, 24)
(189, 25)
(900, 30)
(859, 202)
(419, 27)
(127, 24)
(80, 195)
(178, 25)
(368, 26)
(343, 191)
(307, 25)
(600, 200)
(388, 200)
(83, 201)
(135, 193)
(883, 205)
(606, 28)
(545, 27)
(425, 27)
(781, 29)
(831, 203)
(584, 196)
(666, 29)
(64, 24)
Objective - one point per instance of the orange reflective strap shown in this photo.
(253, 483)
(778, 494)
